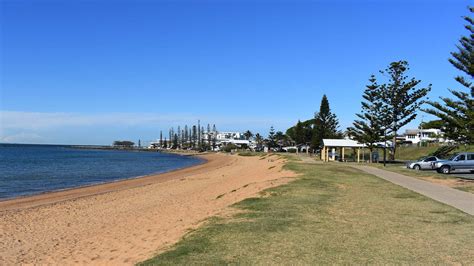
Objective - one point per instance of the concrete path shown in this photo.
(458, 199)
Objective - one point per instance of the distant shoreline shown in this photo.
(171, 151)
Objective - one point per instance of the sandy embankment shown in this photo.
(128, 221)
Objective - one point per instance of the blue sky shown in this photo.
(90, 72)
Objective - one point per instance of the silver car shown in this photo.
(461, 162)
(424, 163)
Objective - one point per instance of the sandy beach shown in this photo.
(129, 221)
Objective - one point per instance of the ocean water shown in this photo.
(34, 169)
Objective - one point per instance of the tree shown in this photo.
(201, 140)
(458, 114)
(123, 143)
(199, 134)
(161, 139)
(214, 137)
(307, 132)
(438, 124)
(229, 147)
(369, 128)
(248, 134)
(259, 141)
(280, 139)
(171, 133)
(271, 142)
(186, 133)
(190, 138)
(183, 140)
(194, 136)
(325, 124)
(179, 137)
(400, 98)
(299, 134)
(175, 141)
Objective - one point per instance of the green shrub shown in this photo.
(229, 147)
(248, 153)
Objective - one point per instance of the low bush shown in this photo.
(229, 147)
(248, 153)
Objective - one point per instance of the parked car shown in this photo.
(461, 162)
(424, 163)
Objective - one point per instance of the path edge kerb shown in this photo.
(461, 200)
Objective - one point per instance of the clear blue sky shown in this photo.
(91, 72)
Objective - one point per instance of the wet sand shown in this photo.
(129, 221)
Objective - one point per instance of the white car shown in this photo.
(424, 163)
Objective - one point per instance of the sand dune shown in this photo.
(128, 221)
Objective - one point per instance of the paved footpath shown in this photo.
(458, 199)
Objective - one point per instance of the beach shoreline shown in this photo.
(129, 221)
(51, 197)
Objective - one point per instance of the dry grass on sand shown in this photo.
(331, 214)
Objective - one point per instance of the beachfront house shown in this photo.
(415, 136)
(235, 138)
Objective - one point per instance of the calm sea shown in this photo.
(33, 169)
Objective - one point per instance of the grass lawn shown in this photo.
(331, 214)
(415, 152)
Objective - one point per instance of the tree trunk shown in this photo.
(394, 147)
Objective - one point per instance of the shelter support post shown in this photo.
(327, 154)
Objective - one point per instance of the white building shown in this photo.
(416, 136)
(217, 140)
(223, 136)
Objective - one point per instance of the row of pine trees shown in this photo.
(196, 138)
(193, 137)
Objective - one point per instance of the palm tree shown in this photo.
(248, 134)
(280, 138)
(259, 140)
